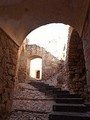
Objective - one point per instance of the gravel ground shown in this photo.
(30, 104)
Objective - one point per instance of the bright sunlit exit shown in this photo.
(53, 37)
(36, 68)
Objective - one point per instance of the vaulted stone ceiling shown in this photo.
(19, 17)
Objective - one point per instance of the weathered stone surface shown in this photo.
(7, 72)
(86, 46)
(50, 64)
(28, 116)
(29, 103)
(75, 63)
(1, 52)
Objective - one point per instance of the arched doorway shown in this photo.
(36, 68)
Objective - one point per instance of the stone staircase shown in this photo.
(67, 106)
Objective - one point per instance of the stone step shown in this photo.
(58, 91)
(70, 100)
(36, 84)
(88, 106)
(68, 95)
(50, 88)
(39, 85)
(51, 91)
(70, 107)
(43, 86)
(68, 116)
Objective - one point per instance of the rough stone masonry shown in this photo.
(8, 61)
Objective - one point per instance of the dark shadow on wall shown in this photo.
(76, 69)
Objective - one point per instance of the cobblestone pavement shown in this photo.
(30, 104)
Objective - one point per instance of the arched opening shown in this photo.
(52, 49)
(53, 37)
(51, 68)
(36, 69)
(50, 42)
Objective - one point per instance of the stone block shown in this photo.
(1, 73)
(11, 72)
(1, 88)
(3, 108)
(1, 52)
(10, 83)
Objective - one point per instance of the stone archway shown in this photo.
(24, 16)
(21, 20)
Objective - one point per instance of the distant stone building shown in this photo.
(50, 64)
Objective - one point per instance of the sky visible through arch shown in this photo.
(52, 37)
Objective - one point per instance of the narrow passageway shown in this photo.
(52, 88)
(30, 104)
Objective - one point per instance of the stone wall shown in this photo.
(86, 46)
(62, 78)
(76, 70)
(8, 60)
(50, 65)
(49, 62)
(22, 61)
